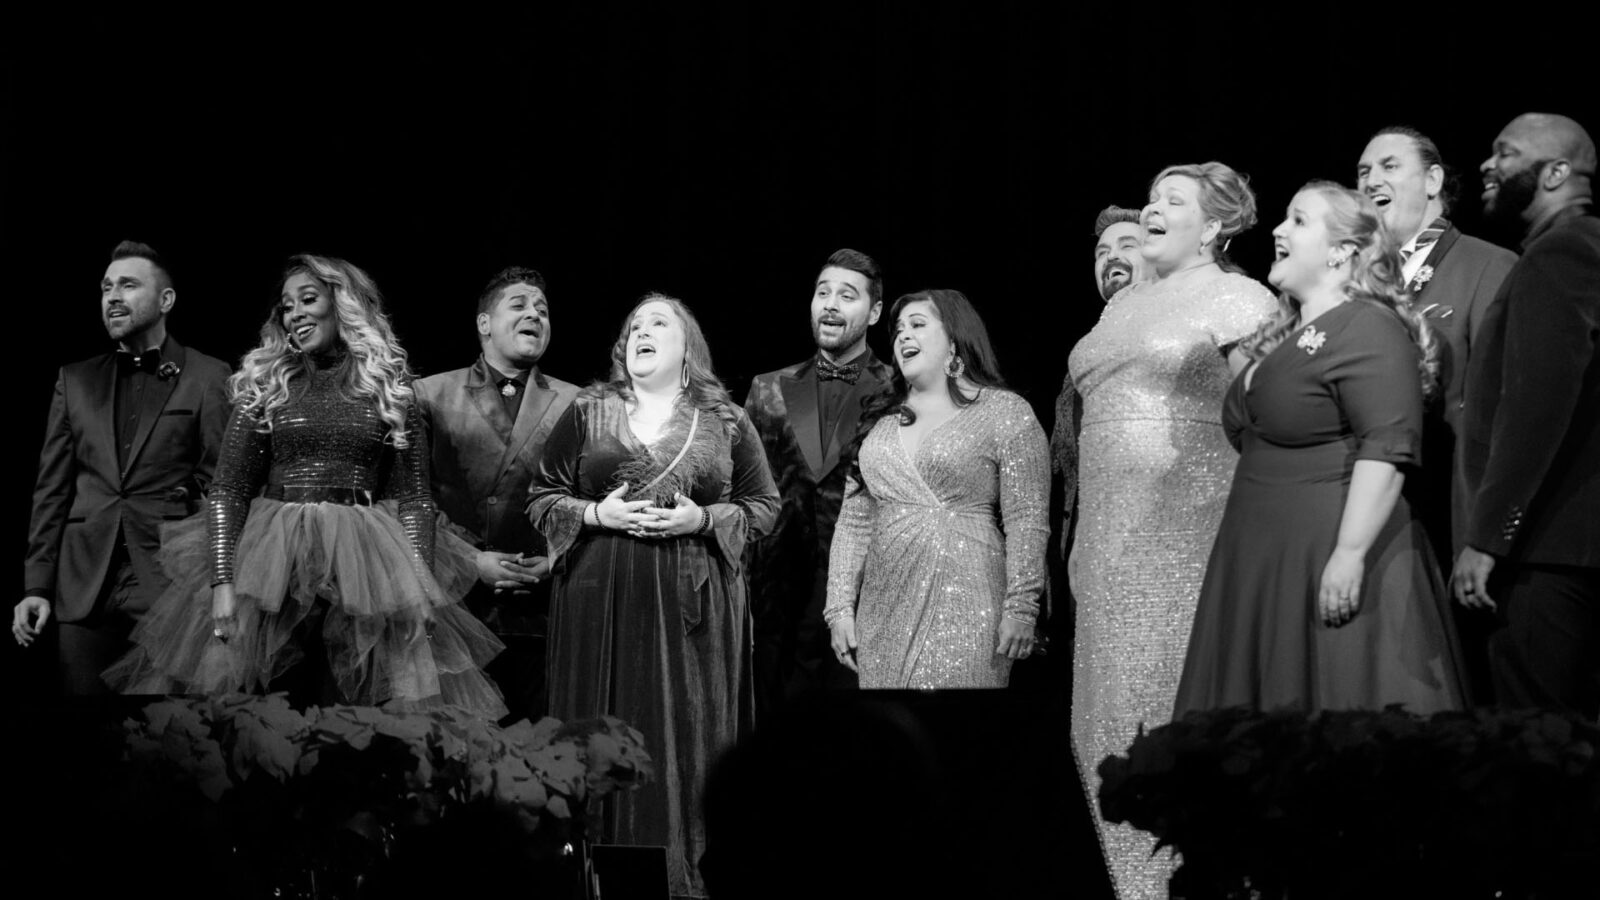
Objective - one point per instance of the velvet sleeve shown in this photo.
(554, 504)
(1023, 462)
(242, 466)
(1378, 385)
(752, 505)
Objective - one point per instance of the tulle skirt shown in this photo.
(392, 633)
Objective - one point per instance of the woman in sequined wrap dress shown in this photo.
(650, 487)
(937, 562)
(327, 582)
(1153, 473)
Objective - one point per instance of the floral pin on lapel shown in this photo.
(1311, 340)
(168, 371)
(1423, 276)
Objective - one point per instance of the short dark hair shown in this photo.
(856, 261)
(1114, 215)
(505, 278)
(1429, 152)
(137, 250)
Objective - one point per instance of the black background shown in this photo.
(717, 152)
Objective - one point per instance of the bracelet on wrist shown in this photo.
(705, 521)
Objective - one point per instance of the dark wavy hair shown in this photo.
(506, 278)
(705, 390)
(971, 341)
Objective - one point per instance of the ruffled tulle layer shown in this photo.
(391, 632)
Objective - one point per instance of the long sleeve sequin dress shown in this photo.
(655, 631)
(1154, 469)
(335, 557)
(942, 544)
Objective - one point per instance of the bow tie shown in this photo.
(148, 361)
(847, 373)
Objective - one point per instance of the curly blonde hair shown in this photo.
(375, 369)
(1376, 277)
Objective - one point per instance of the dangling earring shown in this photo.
(683, 380)
(953, 366)
(1339, 257)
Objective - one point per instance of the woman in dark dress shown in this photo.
(1322, 591)
(650, 487)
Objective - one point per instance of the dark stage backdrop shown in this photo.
(716, 152)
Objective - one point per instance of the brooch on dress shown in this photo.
(1311, 339)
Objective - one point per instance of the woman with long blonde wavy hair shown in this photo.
(327, 583)
(1322, 591)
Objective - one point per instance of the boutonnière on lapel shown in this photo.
(168, 371)
(1311, 340)
(1423, 276)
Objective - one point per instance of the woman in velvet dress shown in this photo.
(1322, 591)
(650, 487)
(938, 558)
(326, 583)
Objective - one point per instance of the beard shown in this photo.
(1114, 277)
(1515, 195)
(848, 335)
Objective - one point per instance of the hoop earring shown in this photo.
(954, 366)
(683, 380)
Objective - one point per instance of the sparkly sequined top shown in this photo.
(319, 439)
(944, 542)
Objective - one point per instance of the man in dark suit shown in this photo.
(131, 441)
(807, 416)
(1453, 278)
(487, 426)
(1531, 426)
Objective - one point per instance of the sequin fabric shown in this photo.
(320, 438)
(942, 545)
(1154, 470)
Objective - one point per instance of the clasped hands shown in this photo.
(643, 519)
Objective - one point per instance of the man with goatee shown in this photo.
(131, 441)
(1531, 426)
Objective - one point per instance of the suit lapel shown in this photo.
(1436, 256)
(850, 416)
(480, 387)
(535, 401)
(100, 426)
(800, 398)
(154, 402)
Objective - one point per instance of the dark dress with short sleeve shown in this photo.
(1341, 388)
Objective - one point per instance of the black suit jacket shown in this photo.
(1464, 275)
(1531, 423)
(789, 567)
(82, 498)
(480, 466)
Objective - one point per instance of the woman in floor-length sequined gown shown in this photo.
(1153, 477)
(937, 562)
